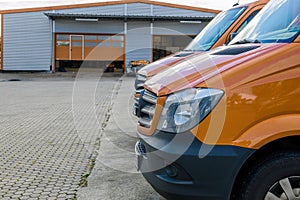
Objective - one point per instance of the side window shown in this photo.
(251, 16)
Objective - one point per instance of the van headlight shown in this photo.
(185, 109)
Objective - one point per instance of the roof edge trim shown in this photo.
(108, 3)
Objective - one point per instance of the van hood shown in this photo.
(197, 69)
(167, 62)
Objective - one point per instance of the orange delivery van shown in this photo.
(226, 124)
(217, 33)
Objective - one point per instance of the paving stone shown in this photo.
(25, 185)
(19, 192)
(53, 194)
(62, 196)
(10, 184)
(5, 198)
(14, 188)
(44, 197)
(45, 193)
(24, 197)
(27, 193)
(22, 189)
(6, 187)
(52, 198)
(18, 185)
(34, 195)
(32, 187)
(70, 197)
(37, 191)
(6, 195)
(48, 189)
(29, 190)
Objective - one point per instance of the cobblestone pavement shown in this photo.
(48, 133)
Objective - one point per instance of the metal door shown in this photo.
(76, 47)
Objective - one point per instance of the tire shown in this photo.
(274, 178)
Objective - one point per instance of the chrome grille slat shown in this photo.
(147, 109)
(136, 100)
(139, 82)
(140, 85)
(149, 97)
(141, 78)
(145, 122)
(138, 91)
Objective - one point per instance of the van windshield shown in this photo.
(278, 22)
(214, 30)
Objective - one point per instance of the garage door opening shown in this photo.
(92, 51)
(105, 66)
(164, 45)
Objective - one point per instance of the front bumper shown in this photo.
(177, 170)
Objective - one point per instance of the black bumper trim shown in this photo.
(189, 176)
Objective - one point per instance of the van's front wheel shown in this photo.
(287, 188)
(274, 178)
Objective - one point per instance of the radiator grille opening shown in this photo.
(147, 109)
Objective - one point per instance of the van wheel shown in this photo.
(274, 178)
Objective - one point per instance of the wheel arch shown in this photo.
(289, 143)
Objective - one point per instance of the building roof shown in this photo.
(105, 3)
(128, 17)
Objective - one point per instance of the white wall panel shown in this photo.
(27, 41)
(138, 42)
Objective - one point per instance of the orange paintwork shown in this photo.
(262, 84)
(272, 129)
(165, 63)
(297, 40)
(198, 69)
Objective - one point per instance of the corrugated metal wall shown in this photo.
(138, 41)
(27, 43)
(106, 10)
(72, 26)
(168, 11)
(136, 9)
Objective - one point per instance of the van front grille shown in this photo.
(147, 109)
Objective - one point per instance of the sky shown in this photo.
(213, 4)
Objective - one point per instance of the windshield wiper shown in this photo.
(247, 41)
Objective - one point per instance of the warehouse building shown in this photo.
(109, 34)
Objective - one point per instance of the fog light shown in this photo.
(171, 171)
